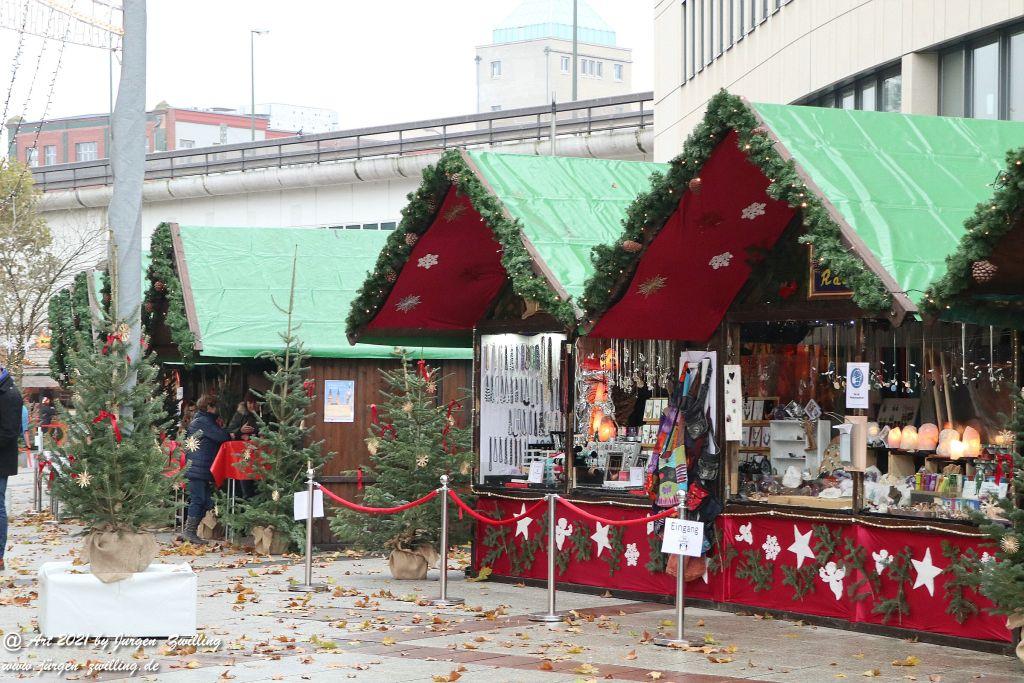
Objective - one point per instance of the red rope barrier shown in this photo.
(490, 520)
(377, 511)
(671, 512)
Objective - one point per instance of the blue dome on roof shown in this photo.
(535, 19)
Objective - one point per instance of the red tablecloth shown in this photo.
(231, 452)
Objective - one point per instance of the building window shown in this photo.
(566, 63)
(848, 98)
(496, 69)
(617, 68)
(186, 144)
(985, 81)
(868, 95)
(892, 92)
(86, 151)
(32, 156)
(223, 133)
(864, 94)
(49, 155)
(984, 78)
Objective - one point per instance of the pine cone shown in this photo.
(159, 286)
(411, 238)
(454, 177)
(391, 276)
(631, 246)
(983, 271)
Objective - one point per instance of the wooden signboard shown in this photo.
(822, 283)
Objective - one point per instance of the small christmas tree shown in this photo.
(412, 442)
(281, 453)
(110, 469)
(1002, 581)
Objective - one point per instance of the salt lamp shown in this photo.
(895, 435)
(908, 440)
(972, 441)
(596, 415)
(927, 437)
(946, 436)
(957, 448)
(607, 430)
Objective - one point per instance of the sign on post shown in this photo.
(857, 386)
(683, 537)
(301, 507)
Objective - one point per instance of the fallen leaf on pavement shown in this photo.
(545, 665)
(871, 673)
(586, 669)
(482, 575)
(654, 675)
(719, 660)
(909, 661)
(630, 655)
(446, 678)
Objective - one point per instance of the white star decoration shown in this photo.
(926, 572)
(562, 532)
(720, 261)
(801, 546)
(600, 537)
(771, 548)
(408, 303)
(754, 210)
(523, 524)
(745, 535)
(428, 261)
(632, 555)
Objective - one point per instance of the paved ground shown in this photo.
(370, 628)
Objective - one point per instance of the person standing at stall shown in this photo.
(202, 441)
(244, 425)
(10, 433)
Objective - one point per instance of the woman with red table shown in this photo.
(203, 440)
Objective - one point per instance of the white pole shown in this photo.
(444, 600)
(308, 586)
(551, 615)
(679, 641)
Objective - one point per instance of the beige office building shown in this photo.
(948, 57)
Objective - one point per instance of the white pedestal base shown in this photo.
(157, 603)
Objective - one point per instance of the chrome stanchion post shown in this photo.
(308, 586)
(551, 615)
(444, 600)
(679, 640)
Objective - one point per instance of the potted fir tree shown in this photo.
(413, 441)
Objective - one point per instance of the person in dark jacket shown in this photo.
(10, 432)
(245, 425)
(202, 442)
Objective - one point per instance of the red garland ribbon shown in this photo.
(106, 415)
(359, 478)
(421, 368)
(448, 425)
(373, 414)
(111, 338)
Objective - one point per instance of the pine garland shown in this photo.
(165, 298)
(417, 217)
(855, 564)
(898, 571)
(614, 266)
(613, 557)
(756, 570)
(70, 320)
(722, 560)
(963, 576)
(991, 221)
(802, 579)
(656, 559)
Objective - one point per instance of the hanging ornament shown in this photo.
(84, 479)
(983, 271)
(275, 495)
(391, 276)
(431, 388)
(149, 307)
(407, 407)
(191, 443)
(159, 286)
(372, 444)
(1010, 544)
(422, 459)
(631, 246)
(695, 185)
(411, 238)
(454, 176)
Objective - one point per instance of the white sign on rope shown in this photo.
(683, 537)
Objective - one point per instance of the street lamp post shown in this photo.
(252, 79)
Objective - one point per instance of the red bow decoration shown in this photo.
(111, 338)
(421, 368)
(106, 415)
(359, 478)
(788, 289)
(448, 425)
(389, 429)
(373, 414)
(310, 387)
(1000, 472)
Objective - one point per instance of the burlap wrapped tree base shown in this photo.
(116, 555)
(412, 564)
(210, 527)
(269, 541)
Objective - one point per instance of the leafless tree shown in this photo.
(33, 264)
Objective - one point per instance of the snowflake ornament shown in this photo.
(771, 548)
(745, 535)
(408, 303)
(651, 285)
(275, 495)
(720, 261)
(84, 479)
(427, 262)
(754, 210)
(422, 460)
(191, 443)
(454, 212)
(632, 555)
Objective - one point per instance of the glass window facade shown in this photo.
(710, 28)
(984, 77)
(881, 90)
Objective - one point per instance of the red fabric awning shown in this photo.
(693, 269)
(450, 279)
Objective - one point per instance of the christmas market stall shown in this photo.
(217, 300)
(856, 440)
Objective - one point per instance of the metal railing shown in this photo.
(632, 111)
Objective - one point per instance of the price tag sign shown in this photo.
(536, 475)
(683, 537)
(301, 505)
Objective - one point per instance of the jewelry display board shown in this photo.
(520, 400)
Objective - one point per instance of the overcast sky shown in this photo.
(374, 62)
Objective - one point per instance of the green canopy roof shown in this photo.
(904, 184)
(238, 278)
(565, 205)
